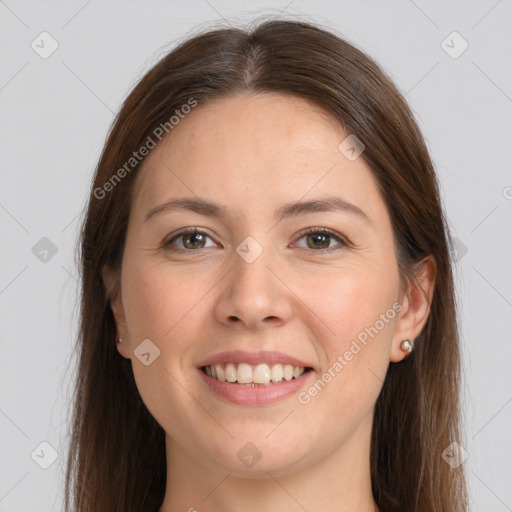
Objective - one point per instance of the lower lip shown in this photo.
(257, 395)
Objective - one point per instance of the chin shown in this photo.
(256, 456)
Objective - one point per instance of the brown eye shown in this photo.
(321, 238)
(319, 241)
(190, 239)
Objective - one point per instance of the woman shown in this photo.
(267, 315)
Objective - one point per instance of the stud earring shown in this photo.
(120, 340)
(406, 346)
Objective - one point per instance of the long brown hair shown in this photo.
(116, 461)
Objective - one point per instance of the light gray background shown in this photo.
(54, 116)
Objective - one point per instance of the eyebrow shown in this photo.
(294, 209)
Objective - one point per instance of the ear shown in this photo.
(415, 306)
(112, 284)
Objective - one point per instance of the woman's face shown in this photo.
(256, 281)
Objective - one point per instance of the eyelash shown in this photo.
(310, 231)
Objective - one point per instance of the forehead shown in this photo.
(250, 148)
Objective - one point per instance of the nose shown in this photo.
(253, 295)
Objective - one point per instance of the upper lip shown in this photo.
(268, 357)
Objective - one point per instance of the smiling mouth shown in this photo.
(254, 375)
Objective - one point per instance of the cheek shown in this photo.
(358, 310)
(161, 306)
(350, 302)
(157, 300)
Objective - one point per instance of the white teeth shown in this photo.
(276, 373)
(244, 373)
(220, 373)
(261, 374)
(230, 372)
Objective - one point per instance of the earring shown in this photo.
(120, 340)
(406, 346)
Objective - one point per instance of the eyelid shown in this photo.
(343, 241)
(185, 231)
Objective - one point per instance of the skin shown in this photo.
(195, 304)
